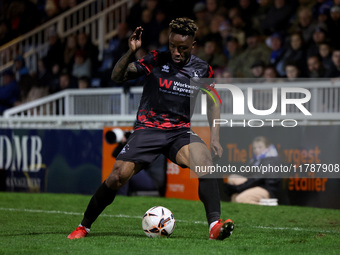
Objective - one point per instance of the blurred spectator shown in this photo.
(334, 71)
(247, 8)
(161, 20)
(25, 83)
(22, 17)
(30, 90)
(292, 72)
(325, 52)
(225, 31)
(51, 10)
(149, 35)
(295, 53)
(84, 82)
(334, 26)
(118, 45)
(323, 14)
(270, 74)
(9, 92)
(92, 52)
(315, 67)
(239, 28)
(54, 79)
(82, 64)
(212, 8)
(153, 21)
(35, 93)
(252, 190)
(256, 50)
(5, 35)
(20, 67)
(201, 20)
(152, 5)
(212, 54)
(55, 53)
(225, 76)
(236, 25)
(63, 5)
(232, 52)
(215, 24)
(257, 69)
(305, 4)
(261, 13)
(275, 42)
(277, 18)
(44, 76)
(69, 51)
(319, 37)
(322, 7)
(66, 81)
(163, 41)
(305, 24)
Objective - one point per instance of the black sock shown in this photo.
(210, 196)
(102, 198)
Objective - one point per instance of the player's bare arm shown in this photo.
(124, 69)
(213, 112)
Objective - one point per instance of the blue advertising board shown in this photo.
(59, 161)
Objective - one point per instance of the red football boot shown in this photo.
(80, 232)
(221, 230)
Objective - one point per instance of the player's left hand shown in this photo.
(216, 149)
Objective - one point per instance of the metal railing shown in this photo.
(74, 107)
(99, 19)
(95, 108)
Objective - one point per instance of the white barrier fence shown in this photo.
(95, 108)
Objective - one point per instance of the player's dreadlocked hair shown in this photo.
(183, 26)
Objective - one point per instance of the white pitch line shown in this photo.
(138, 217)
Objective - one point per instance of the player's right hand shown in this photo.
(135, 40)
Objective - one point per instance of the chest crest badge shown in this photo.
(165, 68)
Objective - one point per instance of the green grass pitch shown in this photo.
(39, 224)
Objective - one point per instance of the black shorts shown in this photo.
(145, 145)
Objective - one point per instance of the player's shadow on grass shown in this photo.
(101, 234)
(98, 234)
(35, 234)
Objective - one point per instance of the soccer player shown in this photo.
(163, 123)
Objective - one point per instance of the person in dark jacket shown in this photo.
(252, 190)
(9, 91)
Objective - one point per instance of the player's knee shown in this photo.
(203, 160)
(116, 180)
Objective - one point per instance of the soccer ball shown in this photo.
(158, 221)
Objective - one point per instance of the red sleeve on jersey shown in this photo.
(149, 61)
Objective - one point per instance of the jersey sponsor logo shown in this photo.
(165, 83)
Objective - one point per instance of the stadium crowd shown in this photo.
(262, 39)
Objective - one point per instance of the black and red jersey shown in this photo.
(167, 93)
